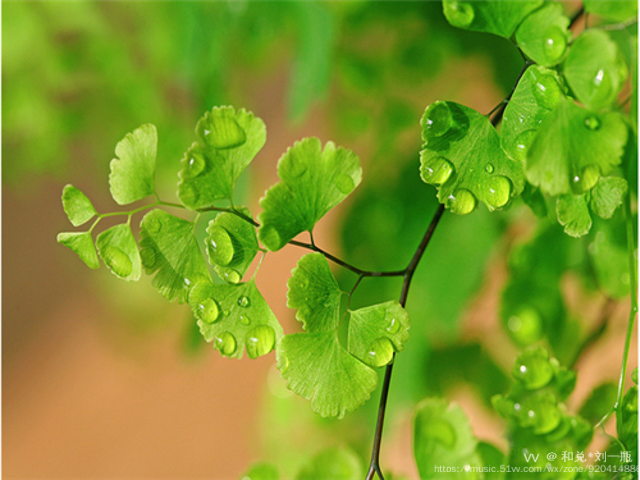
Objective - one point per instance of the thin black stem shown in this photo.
(576, 16)
(503, 105)
(374, 465)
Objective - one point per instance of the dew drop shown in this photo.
(523, 142)
(231, 276)
(199, 292)
(118, 261)
(226, 343)
(602, 87)
(586, 180)
(219, 245)
(437, 120)
(460, 14)
(546, 90)
(345, 183)
(394, 326)
(533, 369)
(498, 192)
(592, 122)
(260, 341)
(221, 132)
(208, 310)
(436, 170)
(152, 224)
(188, 194)
(555, 44)
(284, 364)
(525, 327)
(461, 202)
(489, 168)
(149, 257)
(244, 301)
(244, 319)
(194, 166)
(380, 352)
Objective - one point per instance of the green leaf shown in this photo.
(261, 471)
(600, 400)
(333, 463)
(313, 182)
(235, 317)
(318, 368)
(543, 35)
(227, 142)
(573, 214)
(314, 292)
(442, 438)
(573, 147)
(376, 332)
(537, 93)
(595, 69)
(497, 16)
(616, 10)
(82, 244)
(77, 206)
(627, 421)
(119, 251)
(169, 247)
(133, 169)
(607, 196)
(491, 458)
(609, 256)
(231, 244)
(462, 154)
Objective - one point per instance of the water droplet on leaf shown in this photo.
(523, 142)
(460, 14)
(221, 248)
(244, 301)
(194, 165)
(546, 90)
(436, 170)
(586, 180)
(498, 192)
(592, 122)
(188, 194)
(394, 326)
(461, 202)
(118, 261)
(555, 43)
(208, 310)
(221, 132)
(260, 341)
(533, 369)
(488, 168)
(297, 167)
(244, 319)
(437, 119)
(602, 87)
(226, 343)
(525, 327)
(345, 183)
(380, 352)
(284, 364)
(231, 276)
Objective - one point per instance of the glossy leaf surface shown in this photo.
(543, 35)
(119, 251)
(77, 206)
(82, 244)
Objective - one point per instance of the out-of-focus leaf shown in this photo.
(607, 196)
(333, 463)
(616, 10)
(261, 471)
(609, 256)
(600, 400)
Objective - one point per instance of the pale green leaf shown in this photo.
(77, 206)
(314, 292)
(462, 154)
(607, 196)
(133, 169)
(333, 463)
(573, 214)
(313, 182)
(227, 142)
(492, 458)
(616, 10)
(231, 244)
(318, 368)
(261, 471)
(598, 403)
(442, 437)
(543, 35)
(537, 93)
(119, 251)
(595, 69)
(573, 147)
(376, 332)
(609, 256)
(497, 16)
(235, 317)
(168, 246)
(82, 244)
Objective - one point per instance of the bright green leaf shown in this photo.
(537, 93)
(168, 247)
(595, 69)
(573, 214)
(462, 154)
(600, 400)
(227, 142)
(318, 368)
(313, 182)
(82, 244)
(442, 437)
(235, 317)
(607, 196)
(376, 332)
(333, 463)
(231, 245)
(119, 251)
(498, 16)
(261, 471)
(133, 170)
(616, 10)
(543, 35)
(492, 458)
(77, 206)
(573, 147)
(314, 293)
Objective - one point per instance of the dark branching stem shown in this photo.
(576, 17)
(407, 273)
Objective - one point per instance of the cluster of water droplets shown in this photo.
(222, 250)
